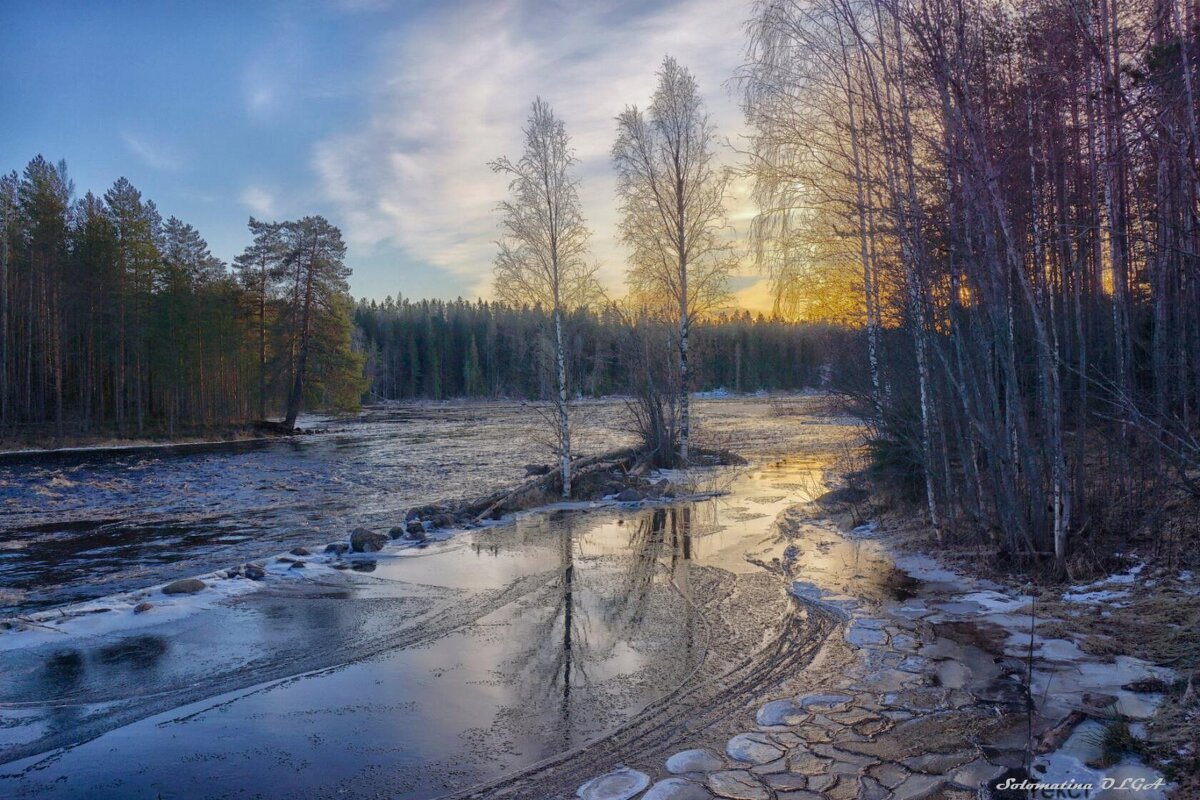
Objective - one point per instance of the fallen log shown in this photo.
(547, 484)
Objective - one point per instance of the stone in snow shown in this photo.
(753, 748)
(185, 586)
(620, 784)
(779, 712)
(859, 636)
(736, 784)
(677, 789)
(367, 541)
(142, 607)
(694, 761)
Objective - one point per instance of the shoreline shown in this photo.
(1059, 627)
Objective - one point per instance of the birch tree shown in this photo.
(543, 248)
(672, 200)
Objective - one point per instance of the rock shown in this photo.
(859, 635)
(819, 783)
(185, 586)
(142, 607)
(285, 560)
(824, 702)
(415, 527)
(869, 789)
(397, 531)
(254, 571)
(889, 774)
(938, 763)
(736, 784)
(443, 521)
(802, 761)
(677, 789)
(341, 565)
(298, 565)
(300, 551)
(858, 760)
(416, 535)
(916, 787)
(337, 548)
(367, 541)
(752, 748)
(422, 512)
(779, 712)
(771, 767)
(976, 773)
(620, 784)
(799, 794)
(694, 761)
(536, 469)
(786, 781)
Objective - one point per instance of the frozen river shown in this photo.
(418, 672)
(81, 525)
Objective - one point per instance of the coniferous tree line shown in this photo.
(116, 321)
(1014, 187)
(435, 350)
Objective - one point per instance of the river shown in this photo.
(417, 672)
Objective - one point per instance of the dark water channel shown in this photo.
(416, 673)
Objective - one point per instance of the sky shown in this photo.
(381, 115)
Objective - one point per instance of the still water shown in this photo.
(417, 672)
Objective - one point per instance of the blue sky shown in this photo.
(380, 115)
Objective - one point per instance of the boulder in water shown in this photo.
(300, 551)
(142, 607)
(337, 548)
(185, 586)
(363, 540)
(254, 571)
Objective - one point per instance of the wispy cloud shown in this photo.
(153, 154)
(260, 201)
(458, 90)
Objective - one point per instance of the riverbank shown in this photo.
(922, 691)
(1136, 610)
(48, 444)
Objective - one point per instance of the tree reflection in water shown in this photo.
(594, 608)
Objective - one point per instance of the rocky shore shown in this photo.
(938, 691)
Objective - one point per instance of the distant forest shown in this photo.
(434, 349)
(115, 321)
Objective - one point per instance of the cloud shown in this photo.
(260, 201)
(153, 154)
(457, 90)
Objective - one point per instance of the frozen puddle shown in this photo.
(414, 673)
